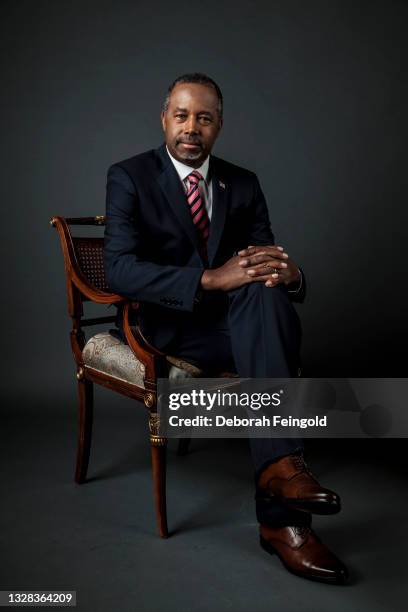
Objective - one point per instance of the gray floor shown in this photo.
(100, 538)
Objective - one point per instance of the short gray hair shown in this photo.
(195, 77)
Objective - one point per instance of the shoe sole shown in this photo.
(323, 506)
(269, 548)
(315, 507)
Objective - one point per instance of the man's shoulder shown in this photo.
(230, 170)
(142, 162)
(155, 160)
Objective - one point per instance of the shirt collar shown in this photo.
(183, 170)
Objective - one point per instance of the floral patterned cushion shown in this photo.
(108, 354)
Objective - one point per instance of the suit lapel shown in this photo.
(219, 209)
(173, 191)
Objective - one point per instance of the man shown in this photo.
(188, 235)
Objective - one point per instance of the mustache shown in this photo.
(192, 141)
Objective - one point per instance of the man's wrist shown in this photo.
(208, 280)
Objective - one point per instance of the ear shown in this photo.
(163, 120)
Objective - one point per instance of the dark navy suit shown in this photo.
(151, 255)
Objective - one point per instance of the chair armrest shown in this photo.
(92, 293)
(145, 353)
(137, 333)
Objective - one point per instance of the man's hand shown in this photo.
(269, 264)
(254, 264)
(227, 277)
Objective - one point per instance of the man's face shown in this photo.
(191, 123)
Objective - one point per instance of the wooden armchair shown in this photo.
(131, 370)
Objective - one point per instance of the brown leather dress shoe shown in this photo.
(303, 554)
(291, 480)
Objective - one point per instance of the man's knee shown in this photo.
(259, 290)
(255, 299)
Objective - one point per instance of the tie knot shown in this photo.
(195, 177)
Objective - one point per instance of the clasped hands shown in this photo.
(268, 264)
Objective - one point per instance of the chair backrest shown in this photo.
(89, 257)
(85, 281)
(84, 269)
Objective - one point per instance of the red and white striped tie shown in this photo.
(198, 211)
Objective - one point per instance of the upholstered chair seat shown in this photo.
(107, 354)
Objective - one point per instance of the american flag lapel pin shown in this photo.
(221, 184)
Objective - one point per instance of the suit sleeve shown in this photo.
(261, 234)
(127, 273)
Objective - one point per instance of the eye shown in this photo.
(204, 119)
(181, 116)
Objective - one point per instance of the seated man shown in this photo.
(188, 235)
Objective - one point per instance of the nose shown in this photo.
(191, 126)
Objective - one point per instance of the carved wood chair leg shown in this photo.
(183, 446)
(158, 446)
(159, 487)
(85, 417)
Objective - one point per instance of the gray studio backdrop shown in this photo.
(315, 103)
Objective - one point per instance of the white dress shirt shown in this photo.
(204, 186)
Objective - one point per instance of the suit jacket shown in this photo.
(151, 250)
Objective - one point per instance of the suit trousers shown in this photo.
(257, 336)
